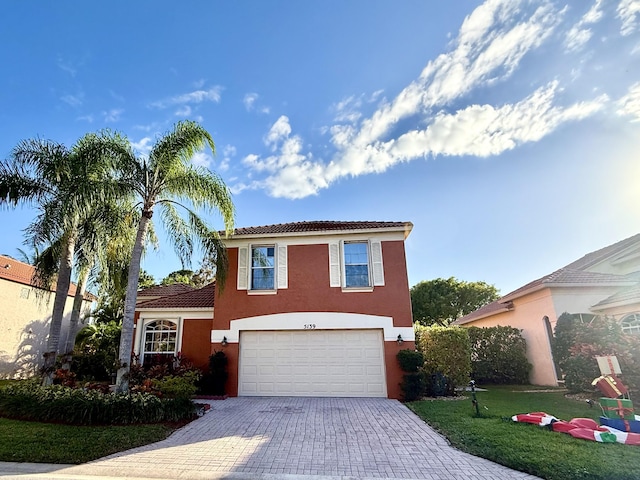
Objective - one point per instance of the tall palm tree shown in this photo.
(168, 181)
(63, 183)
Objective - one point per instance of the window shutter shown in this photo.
(282, 266)
(376, 263)
(243, 271)
(334, 264)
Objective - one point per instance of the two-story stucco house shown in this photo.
(309, 309)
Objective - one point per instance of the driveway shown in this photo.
(273, 438)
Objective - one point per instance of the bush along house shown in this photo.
(308, 309)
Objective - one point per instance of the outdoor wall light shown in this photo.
(224, 342)
(400, 340)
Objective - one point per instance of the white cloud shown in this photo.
(579, 35)
(229, 151)
(628, 10)
(489, 47)
(86, 118)
(201, 159)
(73, 100)
(183, 111)
(630, 103)
(143, 146)
(112, 115)
(198, 96)
(66, 66)
(278, 131)
(248, 100)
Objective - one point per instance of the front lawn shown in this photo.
(53, 443)
(525, 447)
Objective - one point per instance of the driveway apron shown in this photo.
(283, 437)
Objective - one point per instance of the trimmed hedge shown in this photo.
(498, 355)
(27, 400)
(447, 353)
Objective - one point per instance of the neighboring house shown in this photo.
(25, 318)
(604, 282)
(308, 309)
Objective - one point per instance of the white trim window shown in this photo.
(262, 268)
(631, 324)
(160, 342)
(356, 265)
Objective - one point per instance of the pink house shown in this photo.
(604, 282)
(309, 309)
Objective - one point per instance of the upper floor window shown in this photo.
(356, 264)
(631, 323)
(263, 267)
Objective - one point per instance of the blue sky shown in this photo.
(507, 131)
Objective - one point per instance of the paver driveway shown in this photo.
(289, 437)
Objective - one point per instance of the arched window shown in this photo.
(631, 323)
(160, 342)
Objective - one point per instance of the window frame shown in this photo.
(633, 324)
(143, 337)
(369, 265)
(273, 267)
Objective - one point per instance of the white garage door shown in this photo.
(312, 363)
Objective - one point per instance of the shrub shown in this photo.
(498, 355)
(446, 351)
(177, 386)
(412, 386)
(410, 360)
(580, 370)
(96, 366)
(214, 381)
(30, 401)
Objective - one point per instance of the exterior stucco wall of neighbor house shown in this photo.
(196, 341)
(528, 316)
(309, 292)
(25, 320)
(579, 300)
(620, 311)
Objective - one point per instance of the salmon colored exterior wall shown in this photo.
(528, 316)
(309, 291)
(196, 341)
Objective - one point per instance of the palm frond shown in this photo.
(178, 232)
(176, 148)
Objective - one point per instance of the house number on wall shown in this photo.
(309, 326)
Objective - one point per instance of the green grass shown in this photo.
(52, 443)
(526, 447)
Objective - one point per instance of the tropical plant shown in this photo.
(63, 183)
(168, 181)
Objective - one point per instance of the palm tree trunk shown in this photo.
(62, 291)
(126, 338)
(75, 318)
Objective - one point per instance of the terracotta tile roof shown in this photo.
(165, 290)
(624, 297)
(489, 309)
(320, 226)
(16, 271)
(200, 298)
(593, 258)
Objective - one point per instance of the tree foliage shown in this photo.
(447, 353)
(183, 276)
(498, 355)
(441, 301)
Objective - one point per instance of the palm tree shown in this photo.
(63, 183)
(168, 181)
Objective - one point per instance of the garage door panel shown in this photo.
(312, 363)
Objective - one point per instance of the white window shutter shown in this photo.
(334, 264)
(376, 263)
(282, 266)
(243, 270)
